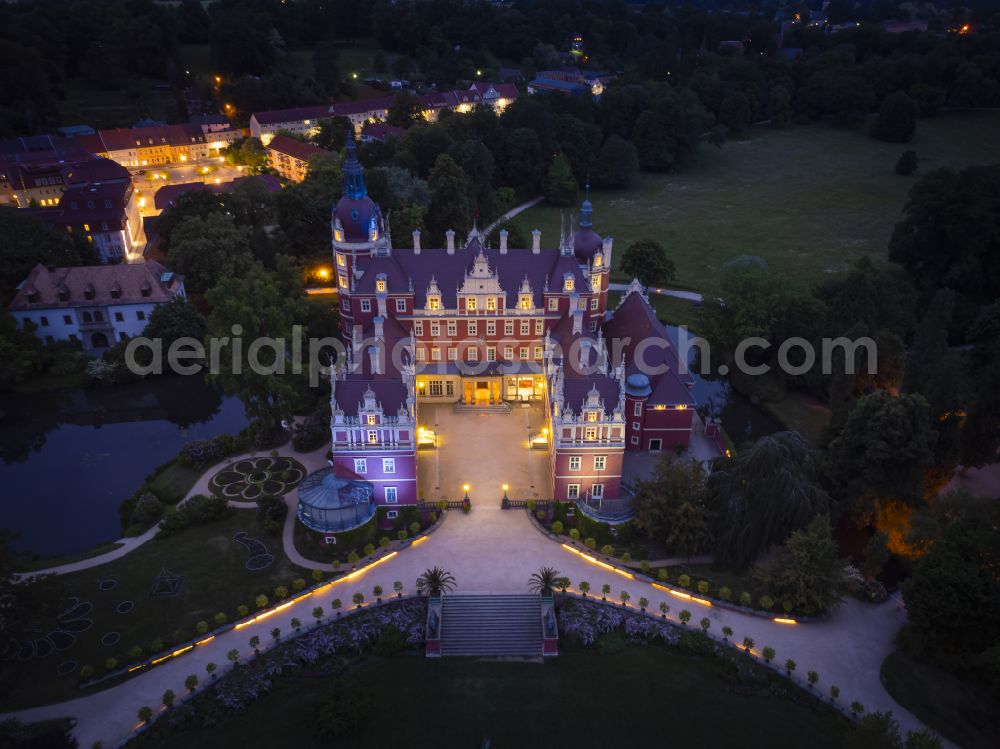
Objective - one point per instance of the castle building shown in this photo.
(480, 327)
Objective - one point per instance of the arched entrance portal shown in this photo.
(99, 340)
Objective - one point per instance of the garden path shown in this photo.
(495, 551)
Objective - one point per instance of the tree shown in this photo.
(331, 133)
(735, 112)
(451, 198)
(544, 581)
(476, 162)
(907, 163)
(435, 582)
(671, 506)
(26, 242)
(951, 597)
(266, 306)
(656, 147)
(208, 250)
(779, 106)
(249, 153)
(883, 452)
(762, 495)
(806, 570)
(617, 163)
(191, 682)
(560, 184)
(176, 319)
(897, 119)
(325, 62)
(525, 167)
(344, 709)
(21, 352)
(405, 110)
(646, 259)
(876, 555)
(145, 714)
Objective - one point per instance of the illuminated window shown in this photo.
(421, 355)
(342, 281)
(524, 353)
(86, 227)
(491, 303)
(380, 285)
(595, 283)
(553, 304)
(569, 284)
(590, 433)
(598, 261)
(372, 436)
(600, 462)
(574, 463)
(433, 302)
(538, 352)
(473, 327)
(470, 304)
(525, 301)
(591, 415)
(572, 491)
(435, 354)
(371, 419)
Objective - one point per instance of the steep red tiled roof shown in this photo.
(295, 114)
(293, 147)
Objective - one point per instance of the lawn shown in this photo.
(132, 100)
(962, 711)
(215, 579)
(812, 200)
(642, 696)
(29, 564)
(803, 413)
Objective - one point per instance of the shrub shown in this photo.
(608, 550)
(200, 453)
(168, 698)
(705, 623)
(812, 677)
(398, 588)
(644, 567)
(358, 599)
(703, 586)
(605, 589)
(766, 602)
(242, 610)
(725, 593)
(662, 574)
(727, 632)
(907, 163)
(255, 644)
(156, 645)
(220, 619)
(390, 641)
(201, 628)
(134, 653)
(748, 644)
(625, 596)
(834, 692)
(767, 653)
(281, 592)
(210, 668)
(261, 601)
(857, 708)
(745, 599)
(664, 609)
(234, 656)
(335, 604)
(369, 549)
(384, 541)
(684, 616)
(442, 505)
(343, 709)
(574, 533)
(789, 666)
(276, 633)
(590, 542)
(317, 613)
(626, 558)
(317, 576)
(684, 581)
(531, 505)
(377, 592)
(147, 509)
(296, 623)
(584, 587)
(298, 584)
(557, 526)
(643, 603)
(86, 672)
(198, 510)
(401, 535)
(414, 528)
(191, 682)
(110, 664)
(312, 432)
(353, 557)
(145, 714)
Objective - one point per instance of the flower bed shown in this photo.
(250, 478)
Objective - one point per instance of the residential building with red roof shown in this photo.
(482, 327)
(95, 305)
(289, 156)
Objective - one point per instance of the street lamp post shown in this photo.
(505, 502)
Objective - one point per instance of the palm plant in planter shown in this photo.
(296, 624)
(664, 608)
(255, 644)
(435, 582)
(398, 587)
(544, 581)
(335, 605)
(605, 589)
(584, 587)
(358, 598)
(377, 592)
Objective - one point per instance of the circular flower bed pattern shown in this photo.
(125, 607)
(251, 478)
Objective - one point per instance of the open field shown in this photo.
(812, 200)
(639, 696)
(215, 578)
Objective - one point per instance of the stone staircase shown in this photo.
(491, 625)
(491, 408)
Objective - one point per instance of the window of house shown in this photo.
(421, 354)
(139, 315)
(345, 303)
(600, 462)
(372, 436)
(637, 409)
(119, 317)
(435, 329)
(538, 352)
(491, 303)
(656, 444)
(434, 302)
(470, 304)
(525, 301)
(508, 352)
(366, 305)
(400, 305)
(574, 463)
(491, 327)
(435, 354)
(595, 283)
(590, 433)
(491, 353)
(360, 465)
(44, 321)
(593, 326)
(572, 491)
(598, 261)
(341, 261)
(67, 320)
(508, 327)
(342, 281)
(525, 327)
(418, 327)
(371, 419)
(636, 425)
(388, 465)
(473, 328)
(553, 304)
(597, 491)
(591, 415)
(473, 354)
(594, 303)
(524, 353)
(380, 285)
(449, 387)
(392, 514)
(452, 329)
(569, 283)
(453, 354)
(539, 327)
(435, 387)
(390, 495)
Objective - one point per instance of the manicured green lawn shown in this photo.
(640, 697)
(962, 711)
(216, 579)
(39, 563)
(803, 413)
(812, 200)
(175, 481)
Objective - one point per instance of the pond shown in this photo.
(70, 457)
(742, 420)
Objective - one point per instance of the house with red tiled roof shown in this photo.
(95, 305)
(479, 328)
(289, 156)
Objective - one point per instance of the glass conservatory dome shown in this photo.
(331, 503)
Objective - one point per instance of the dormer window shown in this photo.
(598, 260)
(491, 303)
(371, 419)
(146, 290)
(32, 296)
(116, 291)
(372, 230)
(338, 234)
(470, 304)
(568, 283)
(591, 415)
(525, 301)
(380, 284)
(63, 294)
(433, 302)
(89, 292)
